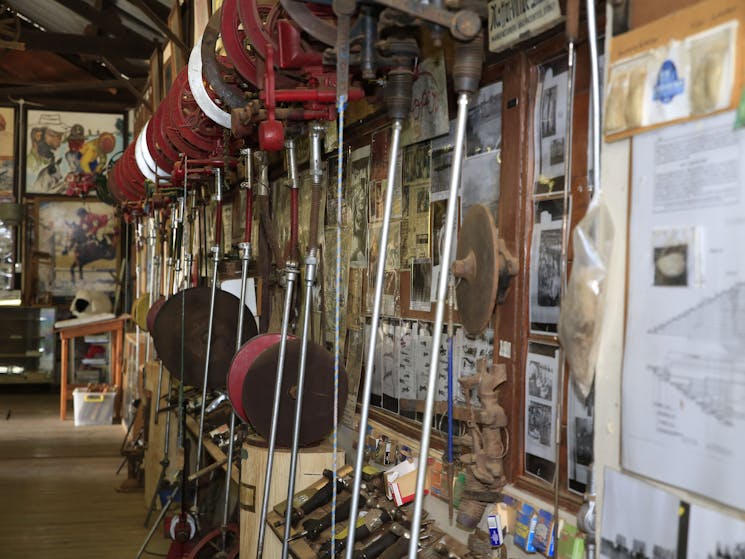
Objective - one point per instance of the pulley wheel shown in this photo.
(139, 311)
(477, 269)
(318, 393)
(241, 364)
(167, 335)
(210, 546)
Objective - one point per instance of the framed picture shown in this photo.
(7, 149)
(62, 144)
(82, 240)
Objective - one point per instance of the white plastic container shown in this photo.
(93, 408)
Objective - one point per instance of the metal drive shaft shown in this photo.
(311, 266)
(442, 286)
(377, 300)
(292, 274)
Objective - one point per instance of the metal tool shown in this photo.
(313, 527)
(314, 496)
(466, 76)
(311, 266)
(364, 528)
(398, 98)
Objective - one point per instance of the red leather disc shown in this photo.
(241, 364)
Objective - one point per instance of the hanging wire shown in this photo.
(342, 105)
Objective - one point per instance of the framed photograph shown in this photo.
(545, 266)
(550, 126)
(62, 144)
(7, 148)
(82, 239)
(484, 124)
(541, 394)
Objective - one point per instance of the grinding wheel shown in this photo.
(139, 311)
(242, 361)
(318, 393)
(153, 312)
(167, 334)
(477, 268)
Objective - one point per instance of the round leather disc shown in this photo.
(477, 295)
(318, 393)
(196, 303)
(153, 312)
(139, 311)
(240, 365)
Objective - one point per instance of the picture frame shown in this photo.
(8, 155)
(59, 144)
(81, 237)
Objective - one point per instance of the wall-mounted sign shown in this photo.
(511, 21)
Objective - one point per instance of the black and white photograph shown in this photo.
(358, 203)
(545, 267)
(713, 535)
(540, 380)
(556, 151)
(388, 339)
(416, 163)
(442, 163)
(479, 182)
(671, 266)
(539, 424)
(548, 112)
(421, 281)
(675, 257)
(423, 356)
(549, 268)
(407, 339)
(579, 438)
(406, 252)
(484, 124)
(422, 200)
(645, 527)
(550, 126)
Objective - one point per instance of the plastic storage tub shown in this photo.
(93, 408)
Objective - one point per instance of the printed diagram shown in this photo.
(718, 319)
(715, 384)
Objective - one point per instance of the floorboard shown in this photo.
(57, 486)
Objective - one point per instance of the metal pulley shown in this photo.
(483, 266)
(168, 339)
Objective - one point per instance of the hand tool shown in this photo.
(364, 528)
(313, 527)
(320, 495)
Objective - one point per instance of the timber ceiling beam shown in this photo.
(70, 87)
(68, 43)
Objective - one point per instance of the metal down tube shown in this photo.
(370, 358)
(210, 324)
(311, 267)
(152, 225)
(292, 274)
(161, 515)
(245, 257)
(442, 287)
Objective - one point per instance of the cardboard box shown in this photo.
(401, 482)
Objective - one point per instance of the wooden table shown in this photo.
(115, 326)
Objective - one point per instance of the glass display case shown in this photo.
(27, 345)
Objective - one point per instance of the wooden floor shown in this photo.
(57, 487)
